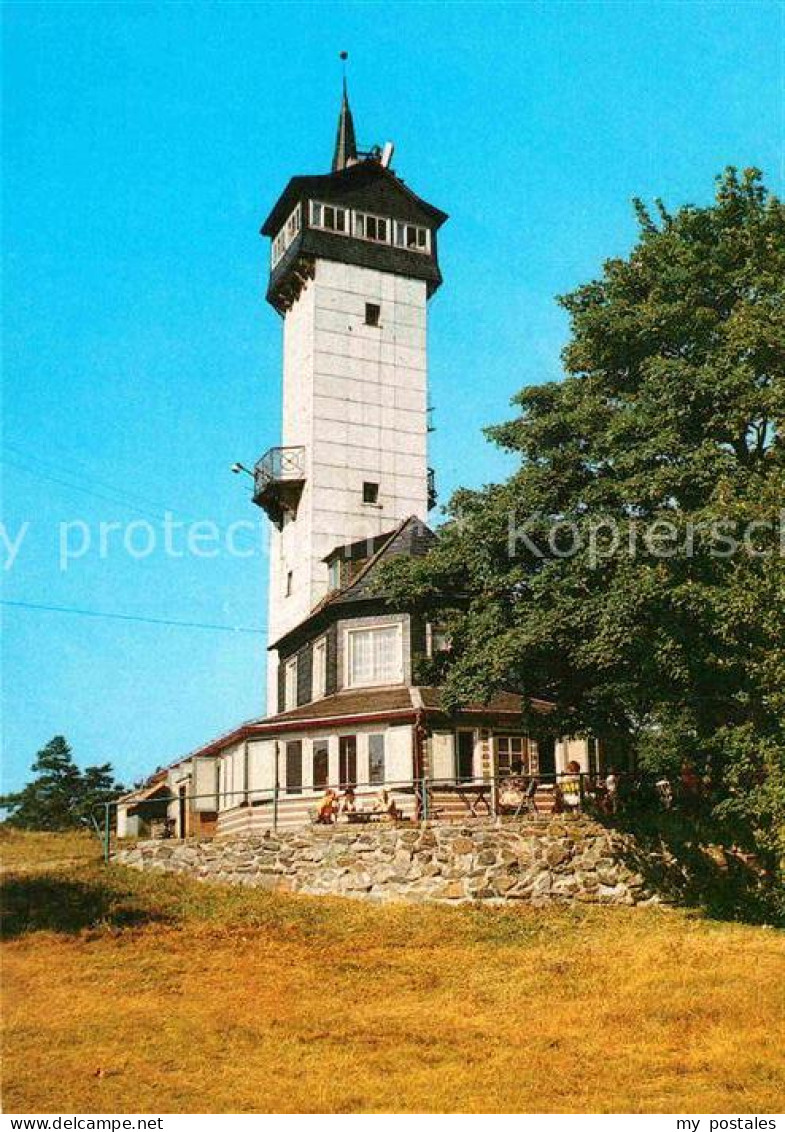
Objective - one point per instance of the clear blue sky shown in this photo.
(144, 144)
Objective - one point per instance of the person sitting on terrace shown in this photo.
(348, 801)
(326, 810)
(570, 786)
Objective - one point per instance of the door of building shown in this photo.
(547, 752)
(464, 762)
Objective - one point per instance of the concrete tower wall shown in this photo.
(355, 397)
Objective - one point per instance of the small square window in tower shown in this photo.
(370, 492)
(373, 312)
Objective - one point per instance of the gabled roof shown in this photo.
(156, 785)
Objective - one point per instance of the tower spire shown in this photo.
(345, 140)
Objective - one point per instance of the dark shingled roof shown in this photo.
(357, 701)
(503, 703)
(365, 186)
(369, 187)
(411, 539)
(400, 702)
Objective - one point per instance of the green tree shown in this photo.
(60, 796)
(658, 638)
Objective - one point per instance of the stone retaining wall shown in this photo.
(541, 864)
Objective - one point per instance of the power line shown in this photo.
(133, 617)
(36, 461)
(120, 497)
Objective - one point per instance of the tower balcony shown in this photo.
(279, 478)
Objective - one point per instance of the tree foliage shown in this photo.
(61, 796)
(657, 639)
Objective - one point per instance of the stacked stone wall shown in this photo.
(540, 864)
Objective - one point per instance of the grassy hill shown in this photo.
(145, 993)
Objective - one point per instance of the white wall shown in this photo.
(261, 767)
(568, 750)
(442, 754)
(261, 761)
(205, 784)
(231, 776)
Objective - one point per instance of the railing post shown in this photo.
(107, 828)
(275, 808)
(495, 790)
(424, 787)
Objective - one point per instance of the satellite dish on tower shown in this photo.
(387, 154)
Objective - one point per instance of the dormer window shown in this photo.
(334, 574)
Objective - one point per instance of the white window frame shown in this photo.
(374, 681)
(400, 239)
(290, 684)
(316, 213)
(511, 737)
(319, 687)
(398, 231)
(432, 632)
(360, 220)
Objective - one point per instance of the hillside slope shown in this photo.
(127, 992)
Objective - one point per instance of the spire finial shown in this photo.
(345, 141)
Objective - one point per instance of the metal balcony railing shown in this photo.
(278, 481)
(433, 494)
(279, 464)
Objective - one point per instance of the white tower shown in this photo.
(353, 264)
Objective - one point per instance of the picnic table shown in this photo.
(474, 795)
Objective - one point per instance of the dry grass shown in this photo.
(129, 993)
